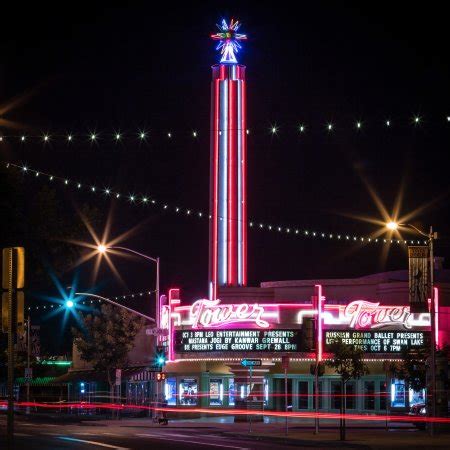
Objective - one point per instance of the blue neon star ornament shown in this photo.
(229, 38)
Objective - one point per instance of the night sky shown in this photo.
(86, 68)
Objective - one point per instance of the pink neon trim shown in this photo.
(215, 243)
(319, 321)
(244, 185)
(174, 295)
(436, 315)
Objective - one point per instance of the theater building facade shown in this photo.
(206, 341)
(285, 323)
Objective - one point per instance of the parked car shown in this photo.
(418, 410)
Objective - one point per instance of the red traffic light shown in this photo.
(160, 376)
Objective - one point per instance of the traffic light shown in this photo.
(13, 276)
(160, 376)
(18, 311)
(13, 268)
(160, 356)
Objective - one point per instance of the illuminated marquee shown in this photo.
(210, 313)
(202, 326)
(239, 340)
(394, 341)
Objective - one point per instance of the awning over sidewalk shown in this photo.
(39, 381)
(74, 376)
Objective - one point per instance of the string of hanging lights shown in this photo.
(144, 135)
(133, 296)
(145, 200)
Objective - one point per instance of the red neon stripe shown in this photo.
(244, 184)
(215, 218)
(234, 183)
(230, 183)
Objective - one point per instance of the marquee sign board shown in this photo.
(392, 341)
(239, 340)
(214, 326)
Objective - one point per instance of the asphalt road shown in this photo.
(48, 436)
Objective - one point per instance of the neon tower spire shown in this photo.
(228, 207)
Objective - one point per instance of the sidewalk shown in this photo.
(361, 435)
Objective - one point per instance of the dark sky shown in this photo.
(88, 67)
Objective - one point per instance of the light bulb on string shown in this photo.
(145, 199)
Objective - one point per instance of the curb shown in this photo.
(297, 442)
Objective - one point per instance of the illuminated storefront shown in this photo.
(207, 340)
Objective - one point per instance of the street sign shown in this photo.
(28, 374)
(251, 362)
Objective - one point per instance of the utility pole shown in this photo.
(433, 333)
(286, 399)
(28, 361)
(10, 417)
(249, 395)
(285, 364)
(12, 319)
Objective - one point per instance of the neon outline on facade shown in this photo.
(210, 313)
(364, 314)
(359, 314)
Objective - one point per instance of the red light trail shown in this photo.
(215, 411)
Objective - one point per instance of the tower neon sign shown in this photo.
(228, 186)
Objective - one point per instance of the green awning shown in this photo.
(38, 381)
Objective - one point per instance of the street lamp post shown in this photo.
(431, 236)
(105, 299)
(102, 249)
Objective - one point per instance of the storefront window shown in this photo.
(231, 391)
(383, 395)
(188, 390)
(398, 394)
(369, 395)
(215, 392)
(303, 396)
(266, 392)
(336, 396)
(416, 397)
(350, 398)
(170, 391)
